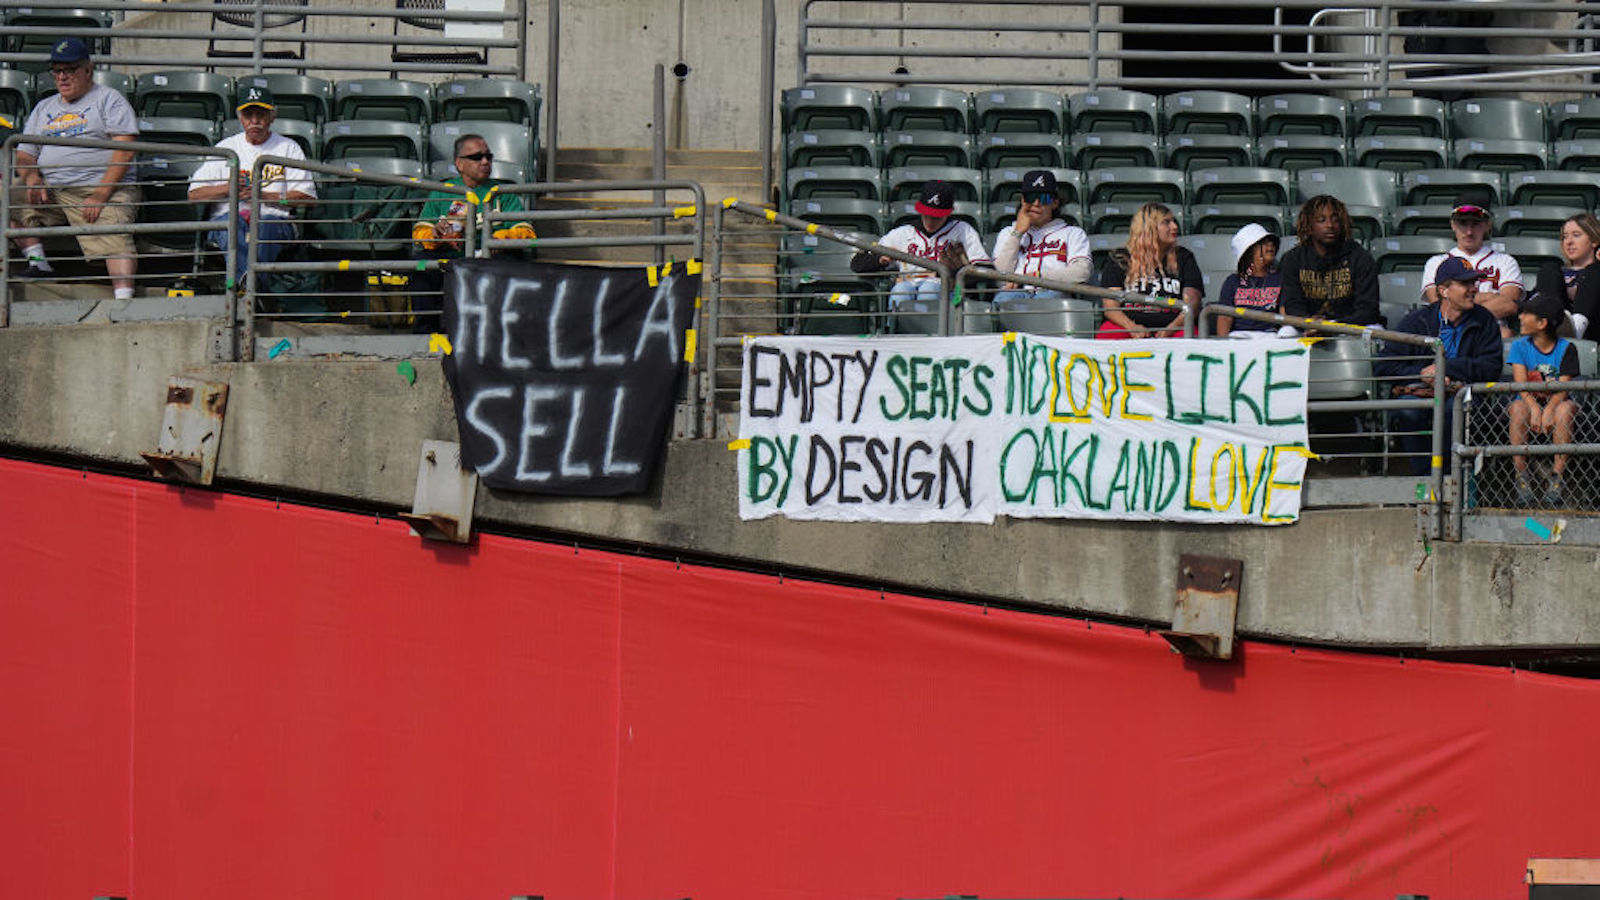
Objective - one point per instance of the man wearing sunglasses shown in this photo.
(441, 226)
(1039, 243)
(78, 186)
(1500, 285)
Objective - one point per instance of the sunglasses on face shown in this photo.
(477, 157)
(1042, 198)
(65, 72)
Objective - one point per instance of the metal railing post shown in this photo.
(658, 149)
(769, 57)
(1436, 467)
(552, 78)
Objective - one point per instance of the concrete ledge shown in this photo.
(352, 429)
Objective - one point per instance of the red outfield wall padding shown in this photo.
(207, 695)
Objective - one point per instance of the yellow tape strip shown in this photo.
(693, 267)
(740, 444)
(1438, 462)
(1008, 337)
(666, 269)
(650, 275)
(684, 212)
(697, 303)
(344, 265)
(728, 202)
(772, 216)
(811, 229)
(689, 342)
(440, 343)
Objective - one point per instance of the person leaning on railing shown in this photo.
(936, 235)
(1472, 353)
(78, 186)
(1153, 263)
(1540, 354)
(1327, 275)
(441, 226)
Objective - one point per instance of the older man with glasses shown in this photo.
(78, 186)
(440, 229)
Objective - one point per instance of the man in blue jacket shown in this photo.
(1472, 351)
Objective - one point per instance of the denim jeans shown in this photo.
(275, 233)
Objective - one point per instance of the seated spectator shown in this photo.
(440, 228)
(1472, 351)
(935, 236)
(278, 190)
(74, 185)
(1327, 275)
(1255, 283)
(1540, 354)
(1039, 244)
(1580, 277)
(1501, 286)
(1152, 263)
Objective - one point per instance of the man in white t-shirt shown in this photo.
(1500, 288)
(279, 188)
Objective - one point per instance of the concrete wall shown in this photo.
(353, 429)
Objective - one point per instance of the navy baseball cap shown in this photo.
(1546, 306)
(938, 199)
(1040, 181)
(1456, 269)
(69, 50)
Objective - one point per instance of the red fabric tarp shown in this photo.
(205, 696)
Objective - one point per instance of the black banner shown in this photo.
(565, 376)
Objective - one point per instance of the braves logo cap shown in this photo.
(937, 199)
(1040, 180)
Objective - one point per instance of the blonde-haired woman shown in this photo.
(1152, 263)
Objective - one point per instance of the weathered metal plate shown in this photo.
(191, 431)
(1206, 607)
(442, 507)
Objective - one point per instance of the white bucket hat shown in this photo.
(1246, 238)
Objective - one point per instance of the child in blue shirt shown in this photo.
(1540, 355)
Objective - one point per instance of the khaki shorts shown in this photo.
(65, 209)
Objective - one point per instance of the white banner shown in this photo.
(918, 429)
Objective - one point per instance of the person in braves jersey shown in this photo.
(1152, 263)
(1039, 244)
(1501, 286)
(1255, 284)
(1540, 354)
(935, 236)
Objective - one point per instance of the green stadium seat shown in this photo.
(1398, 253)
(833, 147)
(1055, 316)
(905, 182)
(1430, 219)
(1112, 110)
(178, 130)
(1577, 155)
(1094, 150)
(902, 212)
(164, 184)
(1419, 116)
(16, 94)
(1575, 119)
(487, 99)
(391, 100)
(1021, 150)
(1019, 110)
(1436, 186)
(301, 97)
(927, 148)
(354, 218)
(1301, 114)
(1498, 118)
(1497, 155)
(195, 95)
(1212, 252)
(1531, 220)
(1005, 183)
(1136, 185)
(861, 182)
(802, 254)
(830, 106)
(1100, 247)
(837, 308)
(1340, 369)
(1209, 151)
(1554, 188)
(1241, 185)
(1303, 151)
(372, 138)
(1402, 290)
(1530, 251)
(509, 141)
(1354, 186)
(925, 109)
(59, 19)
(302, 133)
(1105, 218)
(1367, 223)
(1400, 152)
(44, 85)
(1207, 112)
(1227, 218)
(843, 213)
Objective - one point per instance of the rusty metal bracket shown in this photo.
(1207, 606)
(442, 507)
(191, 431)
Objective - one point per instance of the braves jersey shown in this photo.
(1042, 252)
(1500, 269)
(910, 239)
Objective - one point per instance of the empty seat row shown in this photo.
(207, 95)
(1016, 110)
(1396, 153)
